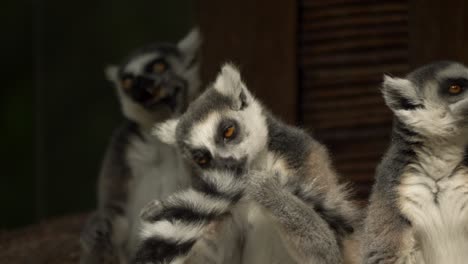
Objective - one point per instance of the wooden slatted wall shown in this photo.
(345, 46)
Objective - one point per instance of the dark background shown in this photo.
(57, 109)
(315, 63)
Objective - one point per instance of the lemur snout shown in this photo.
(232, 164)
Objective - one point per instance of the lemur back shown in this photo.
(155, 83)
(270, 185)
(418, 211)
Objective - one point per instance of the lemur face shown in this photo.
(224, 128)
(160, 78)
(154, 79)
(432, 100)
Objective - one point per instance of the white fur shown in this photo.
(440, 228)
(158, 171)
(166, 131)
(202, 134)
(229, 82)
(173, 231)
(224, 181)
(431, 121)
(256, 130)
(200, 202)
(402, 86)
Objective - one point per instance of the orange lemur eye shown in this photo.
(455, 89)
(127, 83)
(159, 67)
(229, 132)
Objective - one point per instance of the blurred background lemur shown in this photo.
(154, 83)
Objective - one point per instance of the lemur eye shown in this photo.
(455, 89)
(229, 132)
(159, 67)
(127, 83)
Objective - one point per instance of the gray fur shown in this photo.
(292, 143)
(138, 168)
(465, 160)
(211, 100)
(391, 235)
(384, 225)
(427, 72)
(293, 207)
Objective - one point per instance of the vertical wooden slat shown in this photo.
(438, 31)
(345, 46)
(259, 36)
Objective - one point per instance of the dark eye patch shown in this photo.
(127, 81)
(228, 131)
(201, 157)
(447, 83)
(402, 103)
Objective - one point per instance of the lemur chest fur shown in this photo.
(158, 171)
(433, 195)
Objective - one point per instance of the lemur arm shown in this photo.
(313, 211)
(99, 235)
(387, 235)
(193, 226)
(307, 235)
(387, 238)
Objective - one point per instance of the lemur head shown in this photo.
(224, 128)
(158, 81)
(432, 100)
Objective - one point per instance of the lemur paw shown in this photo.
(171, 227)
(225, 184)
(96, 240)
(151, 210)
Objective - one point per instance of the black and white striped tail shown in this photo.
(171, 227)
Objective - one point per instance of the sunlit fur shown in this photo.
(418, 211)
(286, 202)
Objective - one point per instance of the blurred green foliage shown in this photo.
(58, 111)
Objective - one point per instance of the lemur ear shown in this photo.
(166, 131)
(400, 94)
(229, 83)
(189, 46)
(112, 73)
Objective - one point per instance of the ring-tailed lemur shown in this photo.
(269, 192)
(419, 205)
(153, 84)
